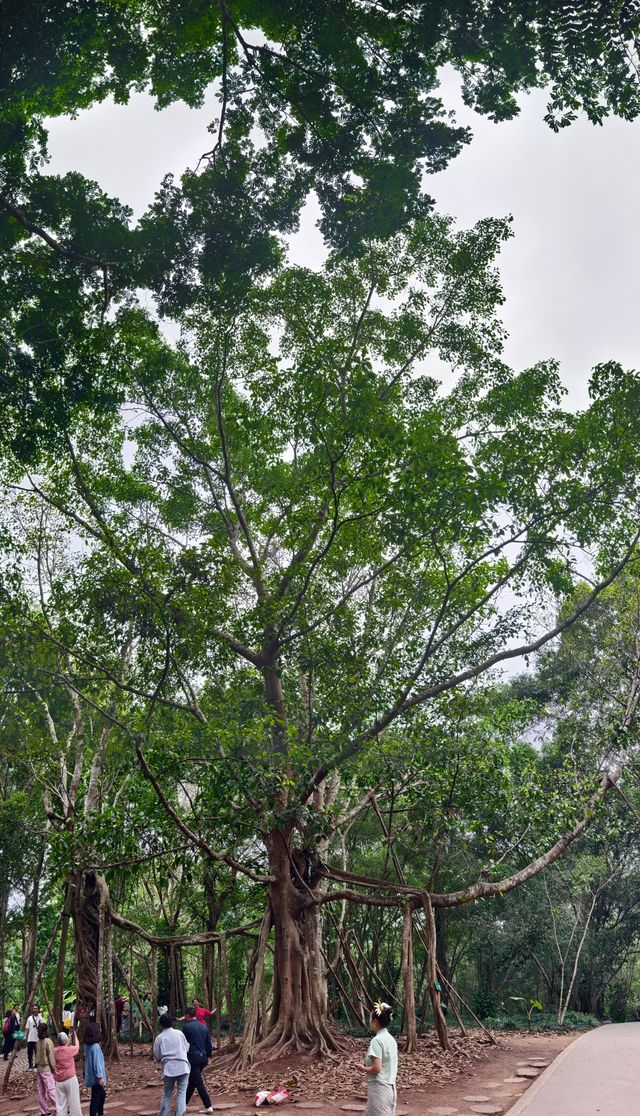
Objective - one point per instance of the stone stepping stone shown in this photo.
(487, 1109)
(478, 1099)
(443, 1111)
(492, 1084)
(227, 1107)
(352, 1107)
(308, 1104)
(402, 1112)
(539, 1062)
(528, 1071)
(512, 1080)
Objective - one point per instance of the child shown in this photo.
(67, 1088)
(381, 1066)
(95, 1073)
(45, 1071)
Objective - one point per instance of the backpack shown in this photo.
(6, 1025)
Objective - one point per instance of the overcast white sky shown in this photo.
(570, 272)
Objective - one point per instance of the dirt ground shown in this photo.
(429, 1082)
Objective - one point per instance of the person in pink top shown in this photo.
(67, 1088)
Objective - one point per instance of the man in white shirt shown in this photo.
(31, 1030)
(170, 1049)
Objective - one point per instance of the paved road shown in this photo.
(599, 1073)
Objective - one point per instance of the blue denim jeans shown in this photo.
(180, 1083)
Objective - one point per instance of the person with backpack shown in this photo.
(9, 1027)
(200, 1049)
(31, 1030)
(46, 1068)
(95, 1071)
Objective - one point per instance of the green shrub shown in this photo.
(542, 1021)
(617, 1008)
(484, 1003)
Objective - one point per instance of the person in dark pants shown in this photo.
(10, 1025)
(199, 1039)
(95, 1073)
(31, 1028)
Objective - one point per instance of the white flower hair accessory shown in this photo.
(380, 1007)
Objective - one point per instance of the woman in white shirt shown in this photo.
(381, 1065)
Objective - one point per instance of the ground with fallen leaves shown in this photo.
(474, 1078)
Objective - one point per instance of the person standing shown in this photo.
(201, 1013)
(31, 1029)
(95, 1071)
(45, 1070)
(67, 1088)
(171, 1050)
(120, 1002)
(381, 1065)
(200, 1049)
(10, 1025)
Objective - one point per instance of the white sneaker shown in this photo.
(210, 1109)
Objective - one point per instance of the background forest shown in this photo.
(319, 624)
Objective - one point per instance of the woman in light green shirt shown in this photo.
(381, 1065)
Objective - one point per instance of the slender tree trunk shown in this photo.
(256, 985)
(4, 903)
(226, 985)
(31, 924)
(209, 949)
(58, 995)
(100, 1011)
(411, 1043)
(154, 990)
(440, 916)
(112, 1023)
(438, 1014)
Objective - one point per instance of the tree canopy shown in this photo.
(339, 98)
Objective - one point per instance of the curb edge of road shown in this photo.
(525, 1100)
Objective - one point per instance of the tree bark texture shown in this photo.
(411, 1030)
(90, 907)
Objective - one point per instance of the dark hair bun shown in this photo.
(383, 1013)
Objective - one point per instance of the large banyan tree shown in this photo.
(328, 505)
(305, 543)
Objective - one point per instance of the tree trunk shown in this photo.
(31, 925)
(4, 903)
(441, 955)
(438, 1014)
(209, 950)
(299, 1017)
(112, 1027)
(226, 986)
(58, 995)
(411, 1044)
(154, 990)
(90, 894)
